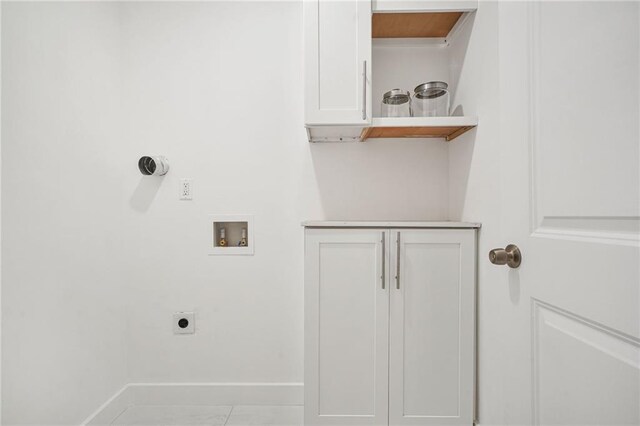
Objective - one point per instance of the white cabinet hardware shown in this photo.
(384, 250)
(397, 260)
(364, 90)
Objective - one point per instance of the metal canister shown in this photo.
(396, 103)
(431, 99)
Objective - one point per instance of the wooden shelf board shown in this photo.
(413, 25)
(447, 128)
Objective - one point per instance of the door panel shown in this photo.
(585, 144)
(337, 62)
(431, 311)
(347, 315)
(611, 360)
(570, 162)
(337, 55)
(346, 338)
(432, 328)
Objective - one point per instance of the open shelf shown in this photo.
(447, 128)
(413, 25)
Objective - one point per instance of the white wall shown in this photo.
(476, 195)
(63, 311)
(217, 88)
(404, 64)
(226, 107)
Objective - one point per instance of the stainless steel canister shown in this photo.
(431, 99)
(396, 103)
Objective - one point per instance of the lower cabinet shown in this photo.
(389, 326)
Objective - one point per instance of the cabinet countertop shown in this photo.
(389, 224)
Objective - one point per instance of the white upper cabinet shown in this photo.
(337, 62)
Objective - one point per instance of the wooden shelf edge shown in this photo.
(447, 128)
(458, 132)
(448, 133)
(365, 133)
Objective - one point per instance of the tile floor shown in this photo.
(211, 415)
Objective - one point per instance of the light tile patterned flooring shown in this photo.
(211, 415)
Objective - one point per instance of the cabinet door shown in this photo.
(346, 327)
(337, 62)
(432, 327)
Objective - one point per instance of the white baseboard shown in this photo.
(196, 394)
(217, 393)
(111, 409)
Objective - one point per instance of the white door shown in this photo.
(346, 327)
(432, 328)
(570, 89)
(337, 62)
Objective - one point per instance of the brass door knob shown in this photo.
(509, 256)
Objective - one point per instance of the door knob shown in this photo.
(509, 255)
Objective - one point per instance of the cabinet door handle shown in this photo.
(364, 90)
(398, 261)
(383, 260)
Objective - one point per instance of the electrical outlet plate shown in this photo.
(186, 189)
(184, 323)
